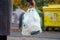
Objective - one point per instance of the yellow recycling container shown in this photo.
(51, 16)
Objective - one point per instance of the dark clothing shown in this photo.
(35, 32)
(5, 15)
(20, 20)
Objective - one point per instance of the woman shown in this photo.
(31, 22)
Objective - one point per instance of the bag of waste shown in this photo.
(31, 22)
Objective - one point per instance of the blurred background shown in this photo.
(50, 15)
(39, 3)
(49, 10)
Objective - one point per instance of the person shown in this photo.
(32, 27)
(19, 12)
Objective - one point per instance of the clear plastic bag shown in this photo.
(31, 22)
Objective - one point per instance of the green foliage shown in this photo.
(14, 6)
(41, 3)
(46, 2)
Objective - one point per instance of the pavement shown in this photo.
(28, 38)
(15, 34)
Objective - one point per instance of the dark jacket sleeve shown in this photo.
(20, 20)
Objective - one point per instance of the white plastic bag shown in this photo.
(31, 22)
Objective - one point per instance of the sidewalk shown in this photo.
(15, 35)
(28, 38)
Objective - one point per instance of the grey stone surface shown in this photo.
(55, 35)
(29, 38)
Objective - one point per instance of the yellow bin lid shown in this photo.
(52, 6)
